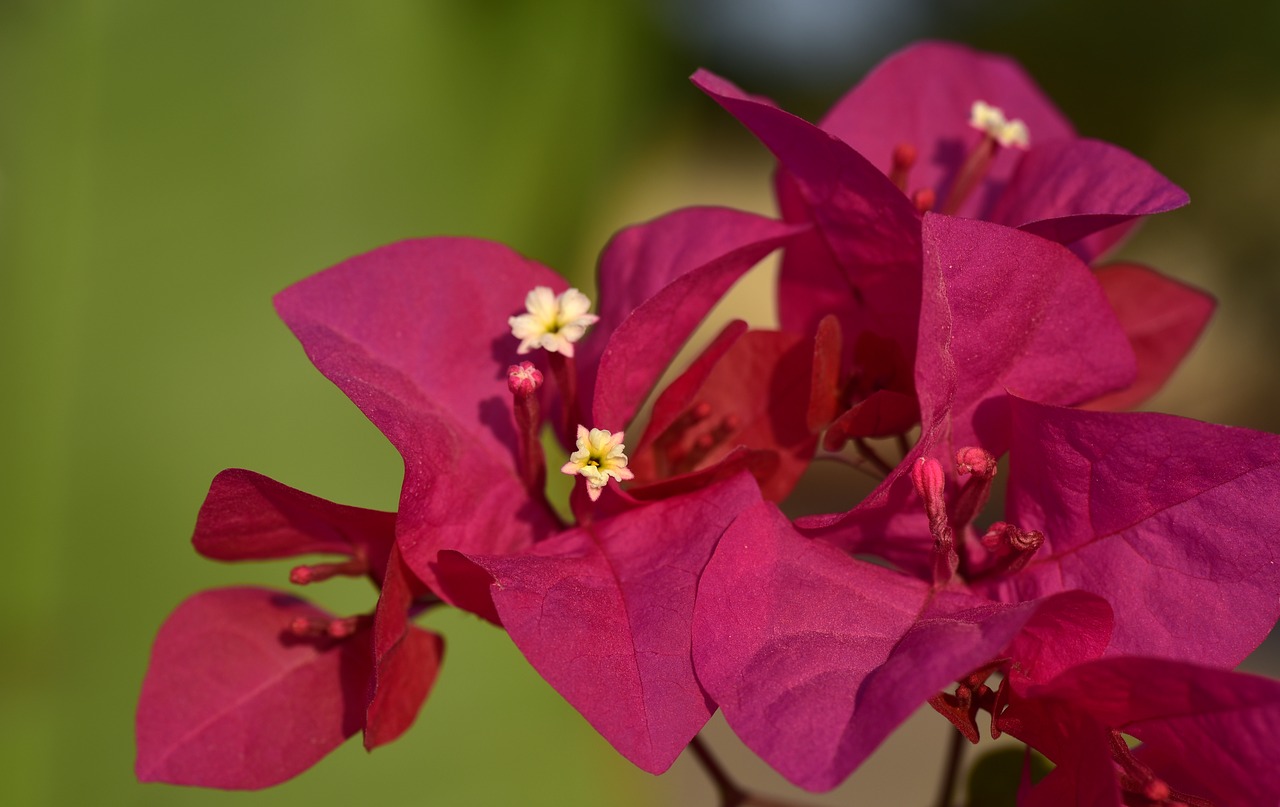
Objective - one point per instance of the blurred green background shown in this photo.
(166, 167)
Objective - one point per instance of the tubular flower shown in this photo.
(599, 457)
(941, 128)
(553, 322)
(474, 463)
(990, 120)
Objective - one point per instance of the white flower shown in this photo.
(552, 323)
(990, 120)
(599, 457)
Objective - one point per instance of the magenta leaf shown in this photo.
(657, 282)
(1077, 629)
(1084, 772)
(248, 516)
(922, 96)
(603, 612)
(756, 395)
(1162, 319)
(870, 227)
(416, 335)
(232, 700)
(678, 396)
(811, 283)
(406, 659)
(815, 657)
(1066, 190)
(1020, 314)
(1206, 732)
(1166, 518)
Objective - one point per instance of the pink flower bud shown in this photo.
(930, 481)
(976, 461)
(523, 379)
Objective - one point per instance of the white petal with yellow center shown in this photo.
(552, 323)
(599, 458)
(991, 120)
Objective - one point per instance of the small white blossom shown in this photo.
(552, 323)
(990, 120)
(599, 457)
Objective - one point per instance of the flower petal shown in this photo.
(416, 335)
(815, 656)
(1068, 189)
(406, 659)
(604, 614)
(232, 701)
(922, 96)
(1169, 519)
(1162, 319)
(248, 516)
(1021, 314)
(657, 281)
(757, 396)
(869, 226)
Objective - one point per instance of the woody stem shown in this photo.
(730, 794)
(952, 772)
(869, 454)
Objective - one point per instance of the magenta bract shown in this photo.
(1208, 735)
(815, 656)
(604, 613)
(232, 701)
(249, 687)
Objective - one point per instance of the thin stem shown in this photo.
(858, 465)
(865, 449)
(730, 794)
(952, 772)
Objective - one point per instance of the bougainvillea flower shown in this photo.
(1208, 736)
(917, 135)
(417, 335)
(1005, 310)
(1158, 515)
(1161, 515)
(1058, 185)
(604, 612)
(248, 687)
(815, 656)
(421, 336)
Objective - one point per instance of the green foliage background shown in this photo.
(166, 167)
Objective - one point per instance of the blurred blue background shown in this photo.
(166, 167)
